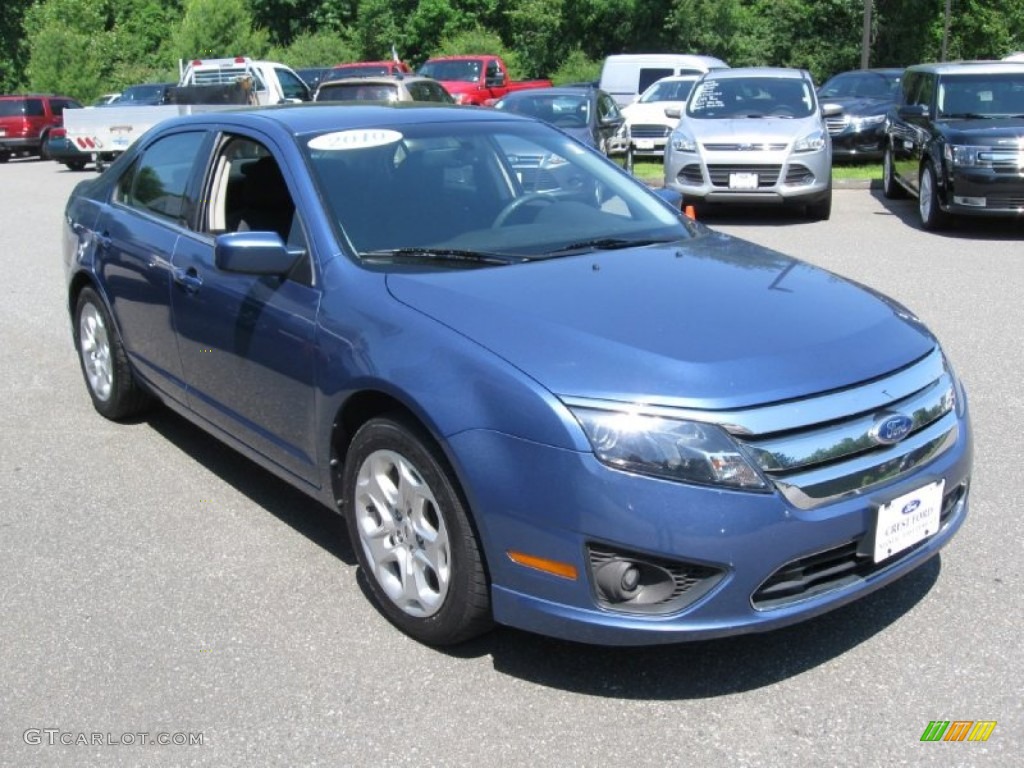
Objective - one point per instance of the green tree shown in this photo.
(536, 30)
(577, 68)
(70, 45)
(12, 53)
(706, 27)
(215, 29)
(318, 49)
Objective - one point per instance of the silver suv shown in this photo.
(754, 135)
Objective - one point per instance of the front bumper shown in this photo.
(749, 177)
(985, 192)
(572, 505)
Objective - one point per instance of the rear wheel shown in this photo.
(44, 153)
(108, 376)
(75, 165)
(412, 535)
(4, 157)
(928, 205)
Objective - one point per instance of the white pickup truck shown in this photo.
(206, 85)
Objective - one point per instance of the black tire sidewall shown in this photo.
(465, 612)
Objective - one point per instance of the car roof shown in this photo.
(740, 73)
(376, 80)
(960, 67)
(561, 90)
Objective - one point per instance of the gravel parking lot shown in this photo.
(154, 586)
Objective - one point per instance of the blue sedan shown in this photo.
(538, 394)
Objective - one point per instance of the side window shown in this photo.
(927, 91)
(158, 181)
(607, 109)
(291, 86)
(34, 108)
(493, 70)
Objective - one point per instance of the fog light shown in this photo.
(976, 202)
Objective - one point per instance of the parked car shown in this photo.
(626, 75)
(712, 438)
(144, 95)
(587, 114)
(386, 68)
(753, 136)
(60, 148)
(956, 141)
(648, 125)
(865, 97)
(312, 76)
(394, 88)
(26, 121)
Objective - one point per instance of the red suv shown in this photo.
(26, 120)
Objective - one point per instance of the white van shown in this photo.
(626, 75)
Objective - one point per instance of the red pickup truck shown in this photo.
(476, 79)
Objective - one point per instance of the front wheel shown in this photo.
(108, 376)
(411, 532)
(932, 215)
(890, 187)
(822, 209)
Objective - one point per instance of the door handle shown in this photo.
(104, 241)
(188, 279)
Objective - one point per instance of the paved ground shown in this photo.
(153, 582)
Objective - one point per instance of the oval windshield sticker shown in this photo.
(359, 138)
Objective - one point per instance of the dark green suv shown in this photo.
(25, 122)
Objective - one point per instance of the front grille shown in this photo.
(837, 124)
(653, 131)
(745, 147)
(837, 567)
(1005, 202)
(767, 175)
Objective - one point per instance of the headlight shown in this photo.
(860, 123)
(682, 142)
(812, 142)
(964, 155)
(685, 451)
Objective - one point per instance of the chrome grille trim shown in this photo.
(747, 147)
(818, 449)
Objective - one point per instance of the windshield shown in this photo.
(565, 111)
(357, 92)
(503, 191)
(467, 71)
(668, 90)
(989, 95)
(861, 85)
(751, 97)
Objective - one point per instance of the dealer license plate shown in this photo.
(742, 181)
(645, 143)
(906, 520)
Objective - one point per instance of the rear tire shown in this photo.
(4, 157)
(75, 165)
(108, 375)
(44, 153)
(412, 535)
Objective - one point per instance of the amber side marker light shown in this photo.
(555, 568)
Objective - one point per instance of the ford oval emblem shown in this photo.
(908, 508)
(891, 428)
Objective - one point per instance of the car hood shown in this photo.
(750, 130)
(860, 106)
(654, 112)
(1004, 131)
(583, 135)
(710, 323)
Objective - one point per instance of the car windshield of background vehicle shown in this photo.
(465, 71)
(499, 190)
(751, 97)
(357, 92)
(981, 96)
(668, 90)
(861, 85)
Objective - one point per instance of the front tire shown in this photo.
(890, 187)
(412, 535)
(822, 209)
(928, 206)
(108, 375)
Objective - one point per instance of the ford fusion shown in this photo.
(538, 395)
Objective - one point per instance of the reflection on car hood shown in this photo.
(715, 323)
(772, 130)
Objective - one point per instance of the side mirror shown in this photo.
(673, 112)
(253, 253)
(831, 110)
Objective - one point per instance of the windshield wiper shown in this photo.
(609, 244)
(445, 254)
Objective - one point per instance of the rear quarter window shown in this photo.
(12, 107)
(158, 181)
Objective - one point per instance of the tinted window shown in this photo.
(158, 181)
(12, 107)
(649, 76)
(34, 108)
(357, 92)
(427, 91)
(292, 86)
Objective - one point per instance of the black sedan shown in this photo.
(587, 114)
(865, 95)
